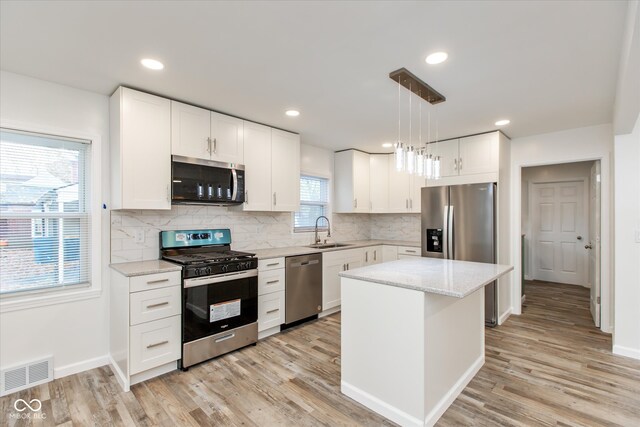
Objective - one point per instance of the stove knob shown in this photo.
(238, 266)
(197, 271)
(225, 268)
(207, 270)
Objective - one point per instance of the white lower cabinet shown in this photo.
(389, 253)
(271, 296)
(372, 255)
(332, 264)
(144, 325)
(405, 251)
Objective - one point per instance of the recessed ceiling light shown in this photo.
(503, 122)
(152, 64)
(387, 145)
(292, 113)
(436, 58)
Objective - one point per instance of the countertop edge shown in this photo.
(141, 268)
(303, 250)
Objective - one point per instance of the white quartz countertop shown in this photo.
(302, 250)
(140, 268)
(438, 276)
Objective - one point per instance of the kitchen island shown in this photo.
(413, 334)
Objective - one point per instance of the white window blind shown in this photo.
(44, 216)
(314, 199)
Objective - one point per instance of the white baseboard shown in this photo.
(527, 277)
(154, 372)
(434, 415)
(120, 376)
(268, 332)
(390, 412)
(330, 311)
(504, 316)
(75, 368)
(634, 353)
(404, 419)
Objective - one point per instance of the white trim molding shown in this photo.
(633, 353)
(504, 316)
(75, 368)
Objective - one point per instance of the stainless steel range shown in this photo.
(219, 293)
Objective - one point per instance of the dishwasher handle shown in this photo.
(304, 263)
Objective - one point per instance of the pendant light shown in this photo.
(398, 153)
(420, 150)
(411, 161)
(436, 161)
(428, 161)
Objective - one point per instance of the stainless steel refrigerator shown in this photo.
(459, 222)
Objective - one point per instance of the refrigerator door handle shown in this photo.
(450, 252)
(445, 234)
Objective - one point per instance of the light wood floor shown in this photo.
(550, 366)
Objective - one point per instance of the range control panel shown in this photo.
(434, 239)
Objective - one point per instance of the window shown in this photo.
(314, 201)
(44, 215)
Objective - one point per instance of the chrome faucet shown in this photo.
(317, 239)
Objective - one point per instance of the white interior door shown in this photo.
(558, 220)
(593, 245)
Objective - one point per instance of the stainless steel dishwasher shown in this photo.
(303, 281)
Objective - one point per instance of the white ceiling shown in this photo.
(545, 65)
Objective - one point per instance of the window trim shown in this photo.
(63, 294)
(328, 211)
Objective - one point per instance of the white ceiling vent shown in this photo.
(27, 375)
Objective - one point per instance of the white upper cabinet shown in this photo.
(468, 160)
(478, 154)
(351, 171)
(257, 163)
(190, 131)
(140, 127)
(285, 171)
(203, 134)
(227, 139)
(272, 169)
(417, 182)
(379, 182)
(399, 189)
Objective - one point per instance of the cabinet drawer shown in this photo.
(154, 343)
(270, 281)
(153, 305)
(270, 310)
(154, 281)
(270, 264)
(408, 250)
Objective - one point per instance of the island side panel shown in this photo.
(383, 344)
(454, 348)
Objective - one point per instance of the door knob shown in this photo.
(579, 237)
(589, 246)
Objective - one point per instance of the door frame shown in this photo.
(606, 231)
(585, 218)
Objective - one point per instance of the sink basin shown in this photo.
(328, 245)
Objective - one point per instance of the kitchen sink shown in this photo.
(328, 245)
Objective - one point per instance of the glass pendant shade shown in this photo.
(398, 155)
(436, 168)
(411, 160)
(428, 167)
(420, 162)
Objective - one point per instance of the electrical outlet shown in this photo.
(139, 236)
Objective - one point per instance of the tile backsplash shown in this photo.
(249, 230)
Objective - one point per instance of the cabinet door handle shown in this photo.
(366, 256)
(153, 282)
(273, 311)
(460, 163)
(375, 255)
(274, 199)
(410, 203)
(215, 145)
(209, 145)
(168, 192)
(355, 203)
(348, 266)
(344, 267)
(406, 203)
(271, 282)
(246, 197)
(157, 344)
(160, 304)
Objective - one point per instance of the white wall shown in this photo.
(551, 173)
(574, 145)
(75, 333)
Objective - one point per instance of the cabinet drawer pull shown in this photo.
(273, 311)
(160, 304)
(410, 252)
(271, 282)
(158, 344)
(455, 164)
(366, 256)
(273, 264)
(375, 255)
(153, 282)
(226, 337)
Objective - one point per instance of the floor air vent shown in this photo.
(24, 376)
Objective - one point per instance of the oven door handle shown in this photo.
(227, 277)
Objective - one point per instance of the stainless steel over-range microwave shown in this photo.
(199, 181)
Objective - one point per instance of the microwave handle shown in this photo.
(234, 194)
